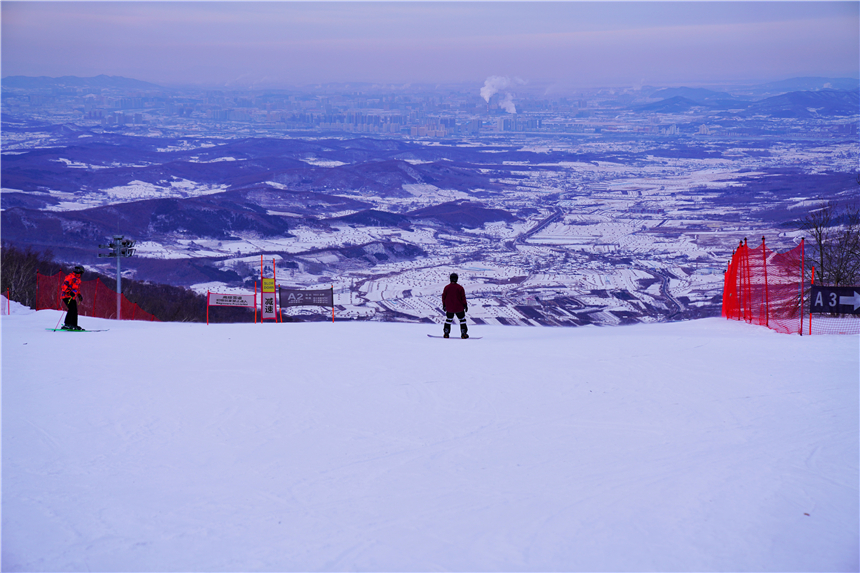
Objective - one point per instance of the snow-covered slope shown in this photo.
(703, 445)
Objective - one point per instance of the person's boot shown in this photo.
(464, 331)
(446, 330)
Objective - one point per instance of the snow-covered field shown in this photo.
(699, 446)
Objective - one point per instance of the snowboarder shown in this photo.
(454, 302)
(71, 294)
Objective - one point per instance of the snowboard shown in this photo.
(456, 337)
(64, 330)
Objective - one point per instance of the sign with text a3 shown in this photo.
(840, 300)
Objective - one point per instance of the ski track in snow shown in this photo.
(367, 446)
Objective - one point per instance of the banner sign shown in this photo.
(841, 300)
(234, 300)
(307, 297)
(243, 300)
(269, 311)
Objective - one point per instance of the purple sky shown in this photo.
(578, 44)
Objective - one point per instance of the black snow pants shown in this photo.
(461, 316)
(72, 315)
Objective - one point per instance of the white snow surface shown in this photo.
(706, 445)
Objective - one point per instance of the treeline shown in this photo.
(18, 272)
(834, 249)
(168, 303)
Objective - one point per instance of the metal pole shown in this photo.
(119, 249)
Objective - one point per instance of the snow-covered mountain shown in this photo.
(698, 445)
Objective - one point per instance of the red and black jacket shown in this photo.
(71, 286)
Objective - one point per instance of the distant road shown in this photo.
(555, 216)
(667, 294)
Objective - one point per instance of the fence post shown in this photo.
(278, 309)
(811, 282)
(262, 297)
(742, 309)
(802, 279)
(749, 280)
(745, 258)
(740, 280)
(766, 286)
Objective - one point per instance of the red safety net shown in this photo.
(99, 301)
(768, 288)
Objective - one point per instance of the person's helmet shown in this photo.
(454, 277)
(79, 270)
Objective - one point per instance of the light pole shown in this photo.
(120, 248)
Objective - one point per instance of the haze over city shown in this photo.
(551, 45)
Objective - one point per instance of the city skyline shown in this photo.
(554, 45)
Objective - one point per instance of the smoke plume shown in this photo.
(495, 84)
(507, 104)
(492, 86)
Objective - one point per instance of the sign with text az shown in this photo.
(841, 300)
(290, 297)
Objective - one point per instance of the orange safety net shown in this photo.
(765, 287)
(99, 301)
(768, 288)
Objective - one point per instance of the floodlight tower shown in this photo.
(119, 248)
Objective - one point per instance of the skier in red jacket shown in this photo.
(454, 302)
(71, 294)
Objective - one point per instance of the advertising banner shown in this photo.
(241, 300)
(233, 300)
(290, 297)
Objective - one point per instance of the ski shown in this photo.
(456, 337)
(67, 330)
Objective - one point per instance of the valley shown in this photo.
(607, 227)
